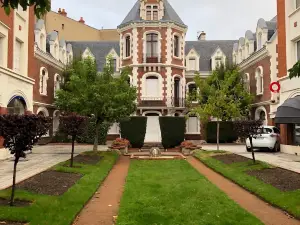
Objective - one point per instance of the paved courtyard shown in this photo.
(41, 159)
(283, 160)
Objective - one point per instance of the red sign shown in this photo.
(275, 87)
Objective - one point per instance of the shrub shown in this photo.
(20, 133)
(172, 131)
(134, 130)
(227, 132)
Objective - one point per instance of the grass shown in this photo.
(60, 210)
(288, 201)
(173, 192)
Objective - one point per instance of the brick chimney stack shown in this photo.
(81, 20)
(64, 13)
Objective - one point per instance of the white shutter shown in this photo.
(17, 55)
(192, 125)
(192, 64)
(152, 87)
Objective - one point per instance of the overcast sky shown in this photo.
(220, 19)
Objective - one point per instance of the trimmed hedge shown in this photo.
(87, 137)
(134, 130)
(227, 132)
(172, 131)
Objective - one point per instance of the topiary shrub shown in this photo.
(227, 132)
(172, 131)
(134, 130)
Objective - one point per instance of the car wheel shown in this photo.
(276, 147)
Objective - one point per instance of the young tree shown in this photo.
(20, 133)
(41, 7)
(295, 70)
(222, 96)
(106, 97)
(72, 125)
(248, 129)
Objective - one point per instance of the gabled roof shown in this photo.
(100, 49)
(206, 49)
(170, 15)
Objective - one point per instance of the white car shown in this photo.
(268, 138)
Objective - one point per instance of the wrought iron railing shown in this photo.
(162, 102)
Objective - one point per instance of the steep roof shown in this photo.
(206, 49)
(170, 15)
(100, 50)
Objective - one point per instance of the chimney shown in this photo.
(81, 20)
(202, 36)
(59, 11)
(64, 13)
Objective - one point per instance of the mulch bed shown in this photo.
(17, 203)
(50, 182)
(231, 158)
(282, 179)
(11, 223)
(87, 159)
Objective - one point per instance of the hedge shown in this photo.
(87, 137)
(227, 132)
(134, 130)
(172, 131)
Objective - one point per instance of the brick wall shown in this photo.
(282, 63)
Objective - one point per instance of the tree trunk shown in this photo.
(72, 153)
(218, 135)
(252, 151)
(14, 180)
(98, 124)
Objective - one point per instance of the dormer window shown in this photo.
(192, 62)
(151, 12)
(219, 61)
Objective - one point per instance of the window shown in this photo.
(43, 81)
(152, 86)
(259, 41)
(152, 46)
(57, 82)
(16, 106)
(259, 81)
(297, 134)
(192, 92)
(176, 46)
(297, 4)
(193, 126)
(218, 61)
(152, 12)
(127, 47)
(17, 56)
(298, 50)
(246, 81)
(114, 65)
(63, 26)
(192, 62)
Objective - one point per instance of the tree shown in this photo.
(41, 7)
(72, 125)
(222, 96)
(248, 129)
(102, 95)
(295, 70)
(20, 133)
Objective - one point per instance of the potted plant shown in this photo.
(187, 147)
(121, 144)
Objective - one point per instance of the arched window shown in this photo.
(16, 106)
(57, 82)
(176, 46)
(152, 48)
(192, 91)
(43, 81)
(127, 46)
(152, 87)
(259, 81)
(259, 41)
(261, 114)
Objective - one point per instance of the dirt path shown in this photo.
(105, 204)
(268, 214)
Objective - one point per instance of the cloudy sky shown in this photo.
(220, 19)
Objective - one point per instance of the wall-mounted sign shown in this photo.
(275, 87)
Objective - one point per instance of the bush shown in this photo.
(172, 131)
(227, 132)
(134, 130)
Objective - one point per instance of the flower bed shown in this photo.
(120, 144)
(187, 147)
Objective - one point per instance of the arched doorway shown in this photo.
(17, 106)
(261, 114)
(153, 134)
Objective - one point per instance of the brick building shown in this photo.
(255, 53)
(152, 42)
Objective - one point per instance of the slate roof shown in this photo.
(99, 49)
(170, 15)
(206, 48)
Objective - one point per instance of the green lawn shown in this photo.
(173, 192)
(60, 210)
(288, 201)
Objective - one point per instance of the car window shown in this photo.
(265, 131)
(276, 130)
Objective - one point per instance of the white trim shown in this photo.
(45, 79)
(180, 56)
(22, 94)
(154, 112)
(18, 76)
(261, 78)
(48, 59)
(124, 45)
(187, 89)
(254, 58)
(160, 83)
(43, 110)
(145, 45)
(198, 126)
(160, 24)
(43, 104)
(295, 93)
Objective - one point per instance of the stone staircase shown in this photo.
(148, 146)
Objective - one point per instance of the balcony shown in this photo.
(153, 58)
(178, 102)
(160, 102)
